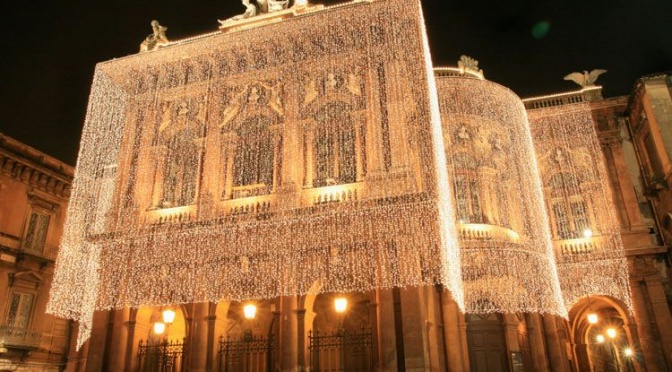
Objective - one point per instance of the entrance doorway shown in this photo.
(487, 346)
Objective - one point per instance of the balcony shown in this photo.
(19, 338)
(480, 231)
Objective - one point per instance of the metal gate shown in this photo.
(166, 356)
(341, 351)
(248, 354)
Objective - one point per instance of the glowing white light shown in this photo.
(599, 339)
(592, 318)
(628, 352)
(159, 328)
(587, 233)
(611, 332)
(250, 311)
(340, 304)
(168, 316)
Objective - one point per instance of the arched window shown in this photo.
(334, 147)
(180, 170)
(254, 158)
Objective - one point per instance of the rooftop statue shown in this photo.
(250, 11)
(468, 64)
(156, 39)
(261, 7)
(585, 79)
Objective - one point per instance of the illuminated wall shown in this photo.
(507, 256)
(586, 232)
(255, 163)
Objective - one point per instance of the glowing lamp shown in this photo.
(168, 316)
(340, 304)
(611, 332)
(587, 233)
(250, 311)
(599, 339)
(300, 3)
(159, 328)
(628, 352)
(592, 318)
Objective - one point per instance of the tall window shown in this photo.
(467, 189)
(569, 208)
(181, 171)
(36, 231)
(334, 151)
(254, 159)
(20, 308)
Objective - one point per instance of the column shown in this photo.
(301, 338)
(288, 336)
(556, 354)
(653, 358)
(537, 346)
(452, 335)
(373, 317)
(120, 339)
(661, 313)
(95, 355)
(198, 338)
(385, 332)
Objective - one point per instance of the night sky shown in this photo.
(50, 48)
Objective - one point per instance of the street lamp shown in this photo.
(168, 316)
(159, 328)
(340, 304)
(592, 318)
(250, 311)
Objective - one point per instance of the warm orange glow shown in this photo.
(159, 328)
(168, 316)
(340, 304)
(611, 332)
(250, 311)
(599, 339)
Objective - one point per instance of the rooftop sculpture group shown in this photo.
(158, 36)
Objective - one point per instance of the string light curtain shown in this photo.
(255, 163)
(586, 232)
(506, 250)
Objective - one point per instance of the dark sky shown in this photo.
(49, 48)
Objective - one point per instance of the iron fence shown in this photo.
(341, 351)
(166, 356)
(247, 354)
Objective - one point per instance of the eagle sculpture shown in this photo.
(585, 79)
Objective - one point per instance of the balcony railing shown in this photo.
(19, 338)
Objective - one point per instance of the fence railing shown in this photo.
(166, 356)
(247, 354)
(20, 337)
(341, 351)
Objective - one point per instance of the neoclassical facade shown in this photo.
(34, 192)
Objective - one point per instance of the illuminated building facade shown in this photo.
(378, 214)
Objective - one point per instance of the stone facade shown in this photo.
(34, 191)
